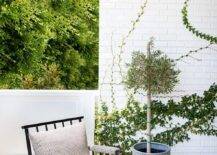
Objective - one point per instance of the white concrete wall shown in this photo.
(163, 21)
(21, 107)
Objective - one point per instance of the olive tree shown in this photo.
(154, 73)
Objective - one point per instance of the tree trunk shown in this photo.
(149, 103)
(148, 122)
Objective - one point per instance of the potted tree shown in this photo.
(154, 73)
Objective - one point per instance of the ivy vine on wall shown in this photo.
(125, 127)
(122, 127)
(208, 37)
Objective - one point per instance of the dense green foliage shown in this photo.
(195, 113)
(191, 28)
(155, 71)
(49, 44)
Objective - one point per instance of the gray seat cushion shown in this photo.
(70, 140)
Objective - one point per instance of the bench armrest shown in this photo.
(105, 149)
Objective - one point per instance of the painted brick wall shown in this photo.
(162, 20)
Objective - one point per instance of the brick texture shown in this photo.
(163, 21)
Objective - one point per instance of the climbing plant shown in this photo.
(208, 37)
(124, 127)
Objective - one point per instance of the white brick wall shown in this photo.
(162, 20)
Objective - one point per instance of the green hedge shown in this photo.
(49, 44)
